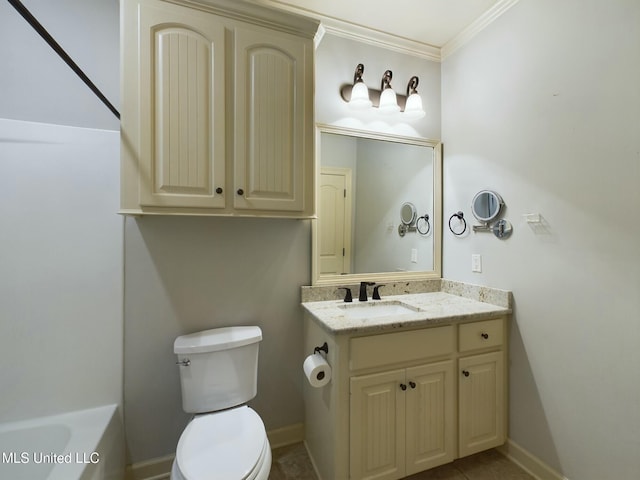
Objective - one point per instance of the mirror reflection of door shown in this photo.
(334, 221)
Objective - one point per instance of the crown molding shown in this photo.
(378, 38)
(381, 39)
(360, 33)
(476, 27)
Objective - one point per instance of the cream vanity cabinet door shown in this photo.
(402, 421)
(273, 148)
(377, 426)
(430, 417)
(182, 105)
(481, 388)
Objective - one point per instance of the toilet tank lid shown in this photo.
(217, 339)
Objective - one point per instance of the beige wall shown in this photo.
(188, 274)
(544, 107)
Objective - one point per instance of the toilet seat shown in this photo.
(230, 445)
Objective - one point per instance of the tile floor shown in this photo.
(292, 463)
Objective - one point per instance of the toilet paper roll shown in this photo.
(317, 370)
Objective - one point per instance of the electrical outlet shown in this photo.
(414, 255)
(476, 262)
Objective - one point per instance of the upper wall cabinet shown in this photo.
(217, 115)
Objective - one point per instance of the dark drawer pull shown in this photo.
(484, 335)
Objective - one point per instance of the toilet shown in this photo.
(226, 439)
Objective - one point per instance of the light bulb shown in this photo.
(413, 107)
(388, 101)
(359, 96)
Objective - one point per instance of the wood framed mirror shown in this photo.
(363, 179)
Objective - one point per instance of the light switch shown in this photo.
(476, 262)
(414, 255)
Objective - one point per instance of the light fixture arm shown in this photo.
(357, 76)
(386, 80)
(412, 86)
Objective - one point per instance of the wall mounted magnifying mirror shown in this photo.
(487, 206)
(411, 222)
(408, 213)
(408, 216)
(364, 179)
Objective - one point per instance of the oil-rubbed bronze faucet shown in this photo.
(363, 291)
(347, 294)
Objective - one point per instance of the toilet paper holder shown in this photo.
(324, 348)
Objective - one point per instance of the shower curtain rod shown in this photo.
(37, 26)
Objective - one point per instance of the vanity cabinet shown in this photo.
(217, 114)
(405, 401)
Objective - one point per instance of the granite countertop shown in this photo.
(431, 309)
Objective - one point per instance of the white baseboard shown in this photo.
(313, 462)
(529, 462)
(160, 468)
(154, 469)
(281, 437)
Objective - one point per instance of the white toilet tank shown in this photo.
(218, 367)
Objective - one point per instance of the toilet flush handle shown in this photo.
(184, 363)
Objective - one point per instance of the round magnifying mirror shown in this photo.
(408, 213)
(486, 205)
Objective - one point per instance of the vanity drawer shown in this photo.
(385, 349)
(477, 335)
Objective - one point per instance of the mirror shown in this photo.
(486, 205)
(363, 180)
(408, 213)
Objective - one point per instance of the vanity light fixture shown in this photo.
(359, 92)
(413, 107)
(387, 102)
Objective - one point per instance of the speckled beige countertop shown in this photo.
(453, 302)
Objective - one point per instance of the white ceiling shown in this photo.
(430, 26)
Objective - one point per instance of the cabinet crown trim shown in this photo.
(255, 14)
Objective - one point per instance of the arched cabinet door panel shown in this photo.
(273, 143)
(182, 105)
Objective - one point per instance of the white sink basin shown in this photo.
(375, 309)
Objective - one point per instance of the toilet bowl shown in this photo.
(228, 445)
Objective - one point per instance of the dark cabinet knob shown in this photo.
(219, 190)
(403, 387)
(240, 191)
(412, 384)
(465, 373)
(484, 335)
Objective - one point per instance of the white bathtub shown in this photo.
(82, 445)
